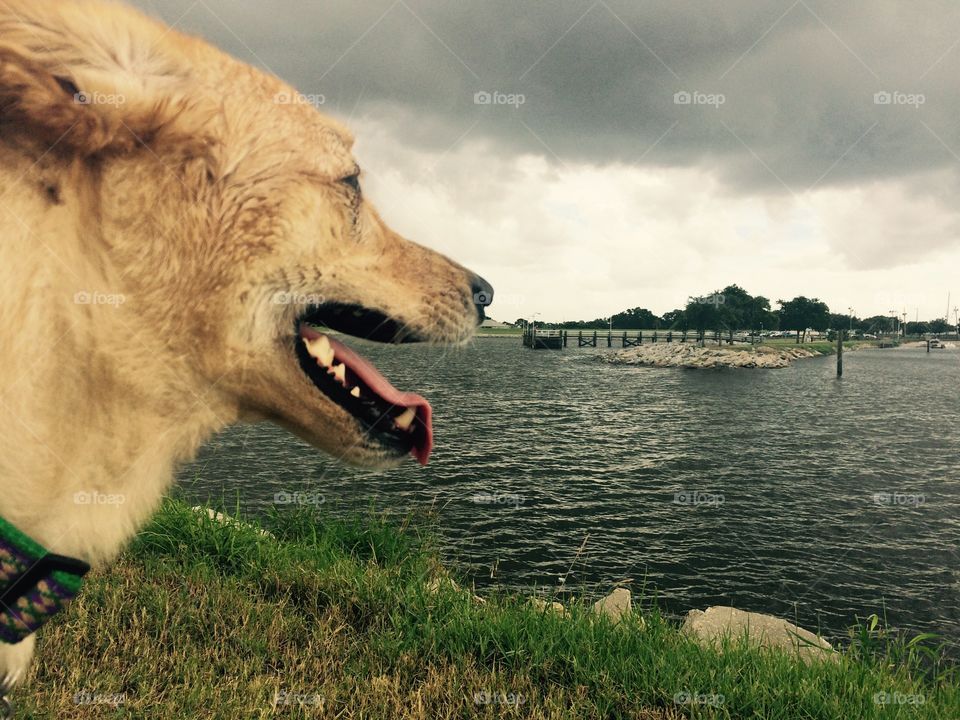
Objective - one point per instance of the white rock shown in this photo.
(227, 520)
(544, 606)
(767, 631)
(615, 605)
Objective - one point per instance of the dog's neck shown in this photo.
(97, 410)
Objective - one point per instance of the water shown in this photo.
(812, 499)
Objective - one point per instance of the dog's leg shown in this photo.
(14, 663)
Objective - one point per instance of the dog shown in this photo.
(181, 237)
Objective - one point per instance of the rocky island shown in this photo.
(693, 356)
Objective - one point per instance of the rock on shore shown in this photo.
(714, 624)
(689, 355)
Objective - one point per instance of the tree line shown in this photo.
(734, 309)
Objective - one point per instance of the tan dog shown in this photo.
(173, 229)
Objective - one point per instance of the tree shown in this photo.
(703, 313)
(879, 324)
(802, 313)
(676, 320)
(635, 319)
(839, 321)
(939, 326)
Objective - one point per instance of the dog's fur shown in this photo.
(144, 244)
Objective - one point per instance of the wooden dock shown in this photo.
(542, 339)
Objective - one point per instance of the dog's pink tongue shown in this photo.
(376, 382)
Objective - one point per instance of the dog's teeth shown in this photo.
(405, 420)
(356, 391)
(340, 373)
(319, 349)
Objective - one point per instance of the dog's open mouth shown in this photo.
(398, 421)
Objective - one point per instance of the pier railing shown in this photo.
(544, 339)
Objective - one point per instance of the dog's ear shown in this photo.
(88, 112)
(46, 107)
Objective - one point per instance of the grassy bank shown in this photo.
(335, 619)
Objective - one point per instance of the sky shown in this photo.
(591, 156)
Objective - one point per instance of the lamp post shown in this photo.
(850, 311)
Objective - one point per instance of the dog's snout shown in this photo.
(482, 295)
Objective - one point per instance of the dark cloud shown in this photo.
(599, 79)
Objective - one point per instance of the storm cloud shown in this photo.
(845, 111)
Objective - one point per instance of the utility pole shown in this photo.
(839, 353)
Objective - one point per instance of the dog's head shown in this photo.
(232, 216)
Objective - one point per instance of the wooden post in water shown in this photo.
(839, 353)
(928, 344)
(609, 338)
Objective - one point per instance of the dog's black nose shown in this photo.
(482, 296)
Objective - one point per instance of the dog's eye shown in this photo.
(352, 181)
(67, 85)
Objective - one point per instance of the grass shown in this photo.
(336, 619)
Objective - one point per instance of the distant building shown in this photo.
(491, 323)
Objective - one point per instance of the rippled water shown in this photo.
(819, 500)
